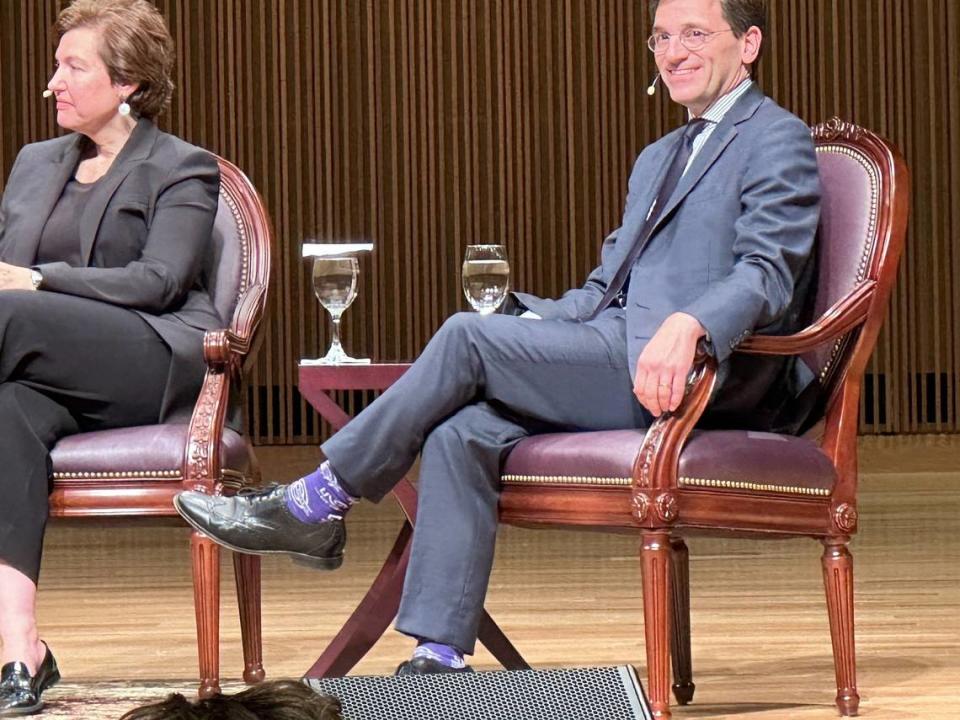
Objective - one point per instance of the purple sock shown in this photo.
(318, 496)
(444, 654)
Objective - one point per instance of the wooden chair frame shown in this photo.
(661, 508)
(139, 494)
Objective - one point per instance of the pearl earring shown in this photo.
(124, 108)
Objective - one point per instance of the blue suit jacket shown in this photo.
(733, 248)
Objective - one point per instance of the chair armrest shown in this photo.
(841, 318)
(659, 456)
(223, 352)
(248, 312)
(655, 469)
(201, 462)
(223, 349)
(227, 347)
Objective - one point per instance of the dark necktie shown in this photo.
(681, 155)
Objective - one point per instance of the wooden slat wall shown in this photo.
(426, 125)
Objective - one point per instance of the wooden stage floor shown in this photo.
(116, 603)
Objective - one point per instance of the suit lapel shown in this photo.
(708, 155)
(43, 190)
(722, 136)
(635, 223)
(136, 149)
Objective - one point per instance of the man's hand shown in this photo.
(665, 363)
(15, 278)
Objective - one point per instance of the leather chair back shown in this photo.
(848, 243)
(225, 263)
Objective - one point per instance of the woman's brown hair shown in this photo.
(135, 45)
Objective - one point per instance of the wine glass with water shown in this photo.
(486, 277)
(335, 285)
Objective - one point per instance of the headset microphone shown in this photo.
(653, 86)
(48, 93)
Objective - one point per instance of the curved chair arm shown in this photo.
(841, 318)
(223, 351)
(247, 313)
(201, 463)
(227, 348)
(659, 456)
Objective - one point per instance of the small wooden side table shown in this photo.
(379, 606)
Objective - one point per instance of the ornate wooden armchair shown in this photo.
(673, 480)
(136, 471)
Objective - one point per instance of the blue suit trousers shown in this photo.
(481, 384)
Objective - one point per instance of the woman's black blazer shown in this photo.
(144, 233)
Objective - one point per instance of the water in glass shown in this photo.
(486, 277)
(335, 282)
(335, 285)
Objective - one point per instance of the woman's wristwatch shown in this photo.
(36, 277)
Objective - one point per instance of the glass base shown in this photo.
(345, 360)
(336, 356)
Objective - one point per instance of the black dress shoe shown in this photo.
(21, 694)
(259, 522)
(428, 666)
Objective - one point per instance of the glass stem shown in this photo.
(335, 345)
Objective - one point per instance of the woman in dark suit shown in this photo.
(103, 233)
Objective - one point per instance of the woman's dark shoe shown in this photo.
(21, 694)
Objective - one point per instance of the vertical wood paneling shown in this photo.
(426, 125)
(951, 25)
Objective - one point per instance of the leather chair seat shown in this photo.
(757, 462)
(737, 460)
(584, 458)
(145, 452)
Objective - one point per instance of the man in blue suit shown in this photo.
(715, 243)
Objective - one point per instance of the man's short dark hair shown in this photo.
(741, 15)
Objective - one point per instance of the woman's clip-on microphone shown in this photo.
(48, 93)
(653, 86)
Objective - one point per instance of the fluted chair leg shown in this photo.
(838, 583)
(683, 686)
(655, 568)
(206, 600)
(246, 569)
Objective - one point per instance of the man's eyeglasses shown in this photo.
(692, 39)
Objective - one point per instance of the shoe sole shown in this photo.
(23, 712)
(317, 563)
(405, 670)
